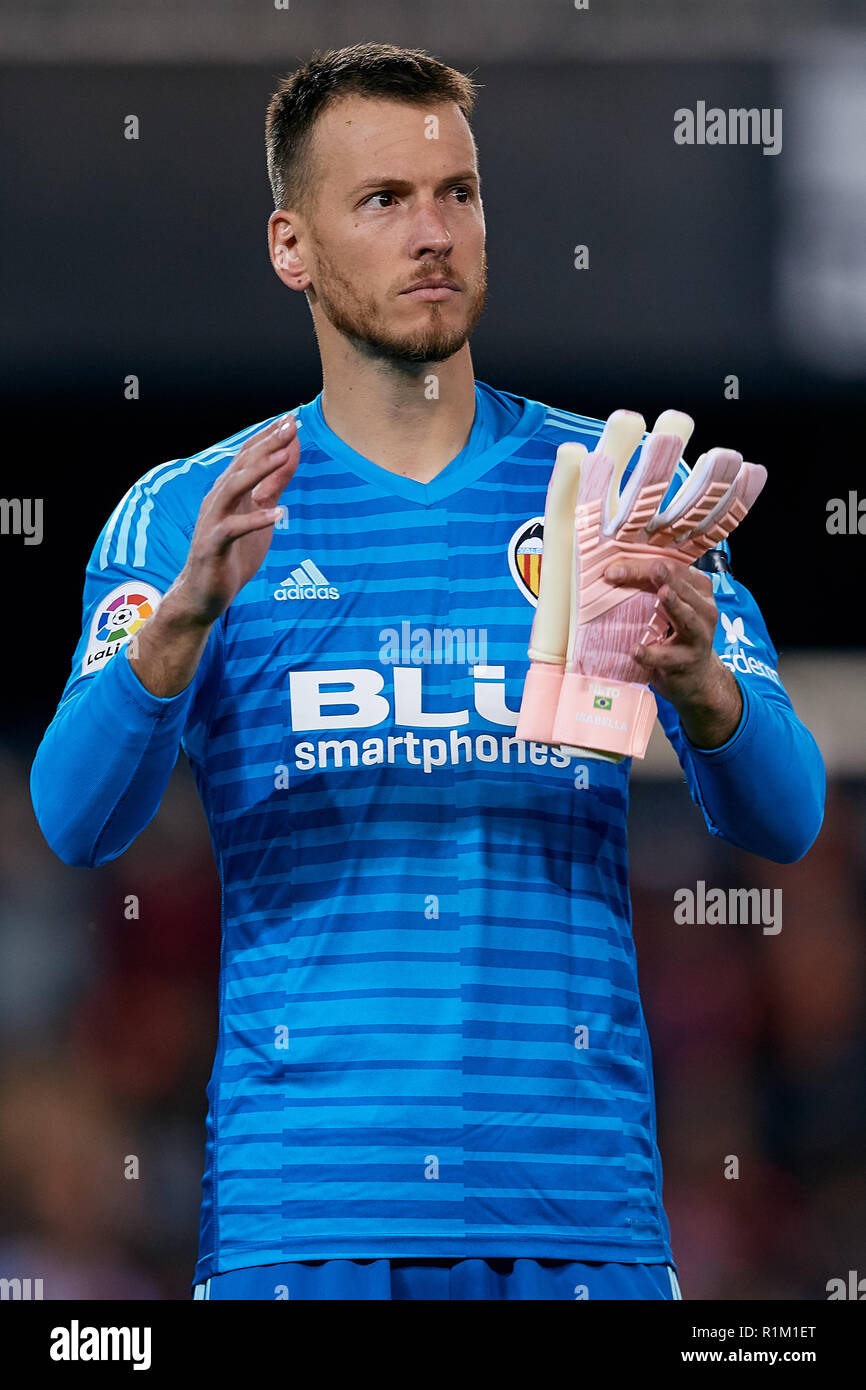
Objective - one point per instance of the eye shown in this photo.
(462, 188)
(383, 193)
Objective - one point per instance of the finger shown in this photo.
(703, 581)
(603, 470)
(754, 475)
(264, 440)
(675, 422)
(728, 511)
(655, 467)
(283, 425)
(242, 524)
(687, 622)
(669, 579)
(664, 658)
(698, 498)
(264, 482)
(622, 432)
(548, 640)
(270, 489)
(645, 489)
(249, 467)
(645, 574)
(689, 584)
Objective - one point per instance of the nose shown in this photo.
(430, 233)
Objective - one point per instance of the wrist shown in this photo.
(711, 714)
(165, 653)
(181, 613)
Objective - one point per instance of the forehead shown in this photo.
(357, 131)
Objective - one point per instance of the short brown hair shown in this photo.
(365, 69)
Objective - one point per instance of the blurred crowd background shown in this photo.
(148, 257)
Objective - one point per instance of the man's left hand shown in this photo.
(683, 668)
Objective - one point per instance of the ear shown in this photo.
(285, 253)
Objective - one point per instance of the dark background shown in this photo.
(149, 257)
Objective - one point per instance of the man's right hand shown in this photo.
(232, 536)
(235, 523)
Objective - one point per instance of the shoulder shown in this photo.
(565, 426)
(166, 499)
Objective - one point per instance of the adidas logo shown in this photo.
(307, 581)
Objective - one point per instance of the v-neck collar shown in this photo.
(465, 468)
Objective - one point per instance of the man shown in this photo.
(433, 1077)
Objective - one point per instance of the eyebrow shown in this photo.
(387, 181)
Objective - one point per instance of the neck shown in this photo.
(409, 422)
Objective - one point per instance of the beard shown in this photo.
(360, 319)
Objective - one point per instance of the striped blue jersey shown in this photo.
(431, 1040)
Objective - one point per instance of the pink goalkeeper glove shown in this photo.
(584, 690)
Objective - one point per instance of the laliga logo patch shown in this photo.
(524, 557)
(117, 618)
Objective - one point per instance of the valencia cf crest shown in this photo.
(524, 557)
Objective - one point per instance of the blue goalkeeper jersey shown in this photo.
(431, 1040)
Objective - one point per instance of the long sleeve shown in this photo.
(105, 760)
(764, 789)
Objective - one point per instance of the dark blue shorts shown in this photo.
(443, 1279)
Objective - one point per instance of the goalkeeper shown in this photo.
(432, 1076)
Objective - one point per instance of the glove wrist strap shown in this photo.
(540, 700)
(612, 716)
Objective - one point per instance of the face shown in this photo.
(396, 202)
